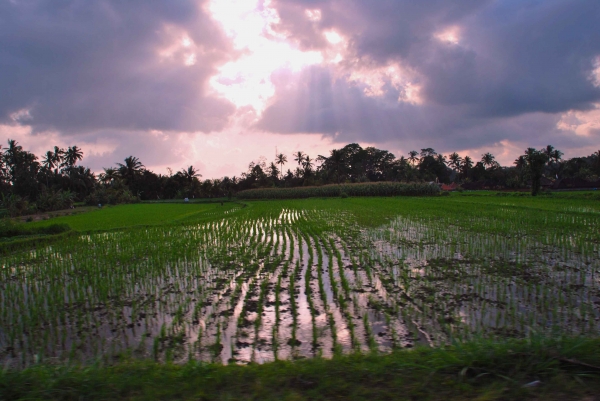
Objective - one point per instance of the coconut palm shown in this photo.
(557, 155)
(299, 157)
(441, 159)
(548, 151)
(488, 160)
(455, 161)
(71, 156)
(109, 175)
(467, 164)
(308, 163)
(131, 167)
(281, 159)
(412, 157)
(520, 162)
(48, 161)
(190, 173)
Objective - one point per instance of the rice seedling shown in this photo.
(291, 279)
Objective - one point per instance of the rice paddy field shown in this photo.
(295, 279)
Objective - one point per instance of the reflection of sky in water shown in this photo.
(412, 280)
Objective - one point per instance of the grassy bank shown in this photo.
(539, 369)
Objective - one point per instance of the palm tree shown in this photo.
(132, 167)
(281, 159)
(190, 173)
(557, 155)
(72, 155)
(110, 174)
(58, 156)
(299, 157)
(48, 161)
(412, 157)
(488, 160)
(548, 151)
(48, 164)
(441, 159)
(455, 161)
(520, 162)
(467, 165)
(308, 163)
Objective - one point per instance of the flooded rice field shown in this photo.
(295, 283)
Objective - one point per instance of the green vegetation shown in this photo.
(343, 191)
(490, 291)
(10, 230)
(548, 369)
(28, 186)
(112, 217)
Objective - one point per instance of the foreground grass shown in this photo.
(112, 217)
(542, 369)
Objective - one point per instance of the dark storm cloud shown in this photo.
(515, 61)
(317, 102)
(83, 65)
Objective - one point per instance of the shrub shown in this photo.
(333, 190)
(49, 201)
(111, 196)
(15, 205)
(10, 228)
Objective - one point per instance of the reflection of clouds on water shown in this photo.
(287, 283)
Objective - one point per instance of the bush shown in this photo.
(111, 196)
(15, 205)
(333, 190)
(9, 228)
(49, 201)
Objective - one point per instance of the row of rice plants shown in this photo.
(286, 281)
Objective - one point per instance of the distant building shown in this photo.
(451, 187)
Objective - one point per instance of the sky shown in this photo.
(218, 83)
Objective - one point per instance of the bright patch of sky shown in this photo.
(246, 81)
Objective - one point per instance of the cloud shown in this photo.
(480, 72)
(213, 82)
(79, 66)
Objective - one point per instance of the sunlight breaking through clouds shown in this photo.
(246, 81)
(450, 35)
(377, 80)
(180, 48)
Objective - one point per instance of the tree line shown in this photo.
(55, 181)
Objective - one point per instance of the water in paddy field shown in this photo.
(295, 284)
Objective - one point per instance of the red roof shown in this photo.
(450, 187)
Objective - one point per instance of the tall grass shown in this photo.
(361, 189)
